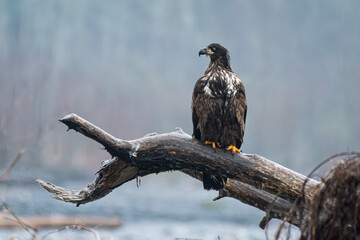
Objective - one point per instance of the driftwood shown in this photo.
(8, 221)
(252, 179)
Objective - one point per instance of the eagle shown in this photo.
(218, 108)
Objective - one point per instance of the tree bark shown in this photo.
(252, 179)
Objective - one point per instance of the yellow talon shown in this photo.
(233, 148)
(213, 144)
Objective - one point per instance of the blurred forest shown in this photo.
(130, 67)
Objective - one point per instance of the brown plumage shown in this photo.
(218, 107)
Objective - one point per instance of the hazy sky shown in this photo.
(130, 67)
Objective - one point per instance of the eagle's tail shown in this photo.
(213, 182)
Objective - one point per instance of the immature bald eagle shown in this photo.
(218, 107)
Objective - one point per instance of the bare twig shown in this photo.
(29, 229)
(12, 165)
(76, 227)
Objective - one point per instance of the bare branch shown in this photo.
(76, 227)
(113, 145)
(12, 165)
(254, 180)
(32, 231)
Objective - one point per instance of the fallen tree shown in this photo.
(252, 179)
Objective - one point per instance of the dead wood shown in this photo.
(253, 179)
(37, 222)
(335, 208)
(12, 165)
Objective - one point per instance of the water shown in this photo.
(166, 206)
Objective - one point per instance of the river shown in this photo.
(166, 206)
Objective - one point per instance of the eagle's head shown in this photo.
(217, 53)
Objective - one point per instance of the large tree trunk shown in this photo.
(252, 179)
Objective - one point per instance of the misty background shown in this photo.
(130, 66)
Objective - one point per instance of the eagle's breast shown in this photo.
(221, 84)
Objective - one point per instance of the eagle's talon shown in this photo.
(210, 143)
(234, 149)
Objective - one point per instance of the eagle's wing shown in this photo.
(241, 111)
(195, 120)
(198, 91)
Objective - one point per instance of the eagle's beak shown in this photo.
(202, 52)
(206, 51)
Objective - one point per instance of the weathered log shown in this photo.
(253, 179)
(8, 221)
